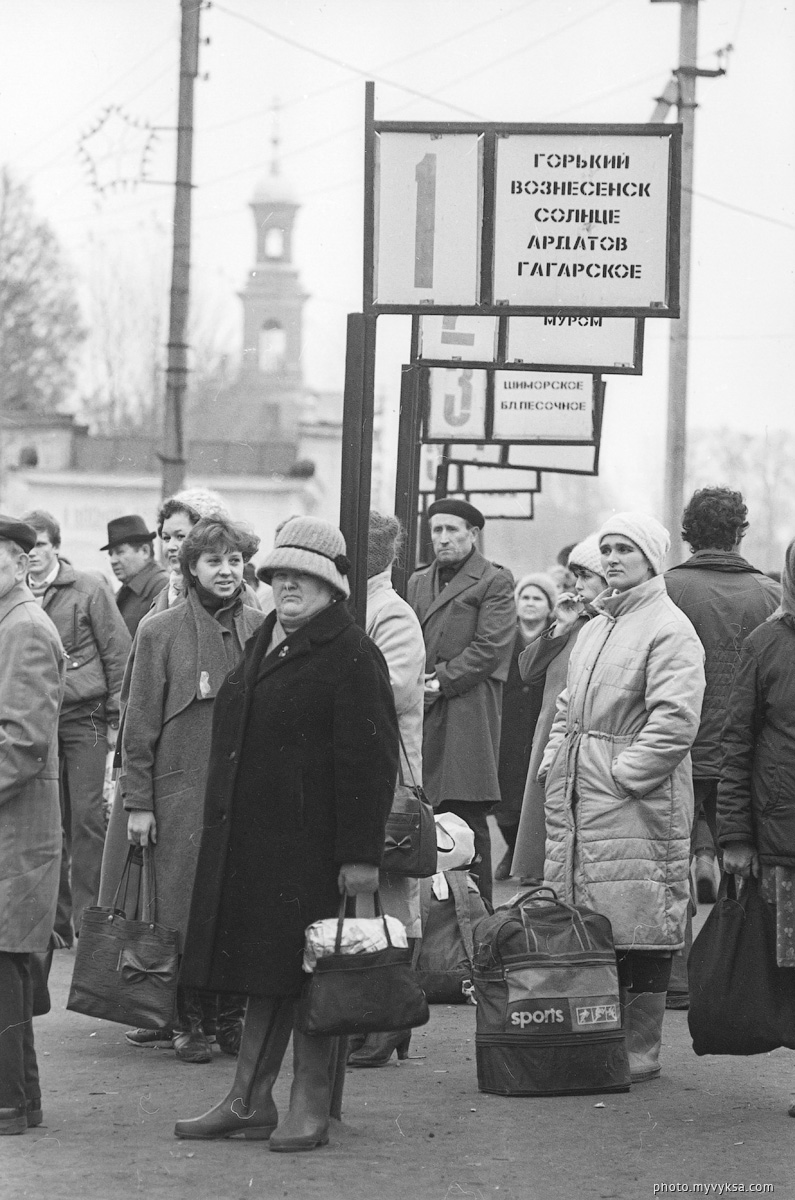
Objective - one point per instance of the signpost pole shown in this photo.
(357, 452)
(407, 475)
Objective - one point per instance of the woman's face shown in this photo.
(175, 529)
(625, 563)
(587, 585)
(219, 571)
(299, 597)
(532, 605)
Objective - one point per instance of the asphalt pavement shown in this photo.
(418, 1130)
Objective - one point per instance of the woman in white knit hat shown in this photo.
(542, 667)
(619, 794)
(303, 765)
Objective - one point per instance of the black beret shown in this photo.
(19, 532)
(458, 508)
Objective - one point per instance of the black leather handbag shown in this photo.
(410, 835)
(374, 992)
(126, 970)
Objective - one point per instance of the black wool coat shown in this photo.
(302, 773)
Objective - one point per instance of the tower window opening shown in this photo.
(272, 347)
(274, 242)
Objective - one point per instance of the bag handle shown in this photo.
(447, 833)
(149, 888)
(134, 858)
(542, 893)
(345, 902)
(414, 783)
(459, 889)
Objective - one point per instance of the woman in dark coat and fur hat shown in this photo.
(302, 774)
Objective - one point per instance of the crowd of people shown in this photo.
(618, 720)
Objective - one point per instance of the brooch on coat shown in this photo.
(284, 650)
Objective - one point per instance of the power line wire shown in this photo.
(393, 62)
(338, 62)
(748, 212)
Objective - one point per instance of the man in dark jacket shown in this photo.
(133, 563)
(725, 598)
(96, 643)
(466, 610)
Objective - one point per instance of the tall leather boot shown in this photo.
(643, 1014)
(190, 1040)
(306, 1124)
(248, 1111)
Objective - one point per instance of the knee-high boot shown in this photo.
(306, 1124)
(249, 1111)
(643, 1014)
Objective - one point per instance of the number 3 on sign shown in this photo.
(457, 406)
(425, 176)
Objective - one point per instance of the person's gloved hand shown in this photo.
(357, 879)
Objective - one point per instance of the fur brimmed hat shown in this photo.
(647, 533)
(313, 546)
(544, 583)
(586, 555)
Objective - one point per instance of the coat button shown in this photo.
(223, 817)
(232, 755)
(525, 690)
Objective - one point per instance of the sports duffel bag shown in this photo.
(548, 1011)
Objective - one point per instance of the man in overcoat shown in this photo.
(466, 610)
(31, 685)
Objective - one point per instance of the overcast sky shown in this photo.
(63, 61)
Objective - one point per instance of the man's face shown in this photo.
(127, 560)
(13, 566)
(452, 539)
(42, 557)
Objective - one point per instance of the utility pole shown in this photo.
(681, 90)
(172, 455)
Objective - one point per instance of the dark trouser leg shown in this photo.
(16, 1027)
(83, 747)
(475, 814)
(705, 795)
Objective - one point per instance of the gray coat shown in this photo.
(32, 671)
(469, 629)
(179, 661)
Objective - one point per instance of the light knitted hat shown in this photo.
(647, 533)
(383, 542)
(545, 583)
(586, 555)
(313, 546)
(204, 502)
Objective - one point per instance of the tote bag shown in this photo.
(126, 971)
(741, 1002)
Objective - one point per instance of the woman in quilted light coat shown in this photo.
(619, 793)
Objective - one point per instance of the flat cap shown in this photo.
(12, 530)
(458, 508)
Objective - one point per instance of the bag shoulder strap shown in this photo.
(459, 890)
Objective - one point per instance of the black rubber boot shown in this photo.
(190, 1040)
(306, 1124)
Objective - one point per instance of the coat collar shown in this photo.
(323, 628)
(618, 603)
(717, 560)
(20, 593)
(471, 571)
(141, 581)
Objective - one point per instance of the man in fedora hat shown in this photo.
(466, 609)
(96, 643)
(133, 563)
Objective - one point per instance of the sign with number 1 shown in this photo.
(427, 223)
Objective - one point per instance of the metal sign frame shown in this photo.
(502, 362)
(597, 398)
(489, 133)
